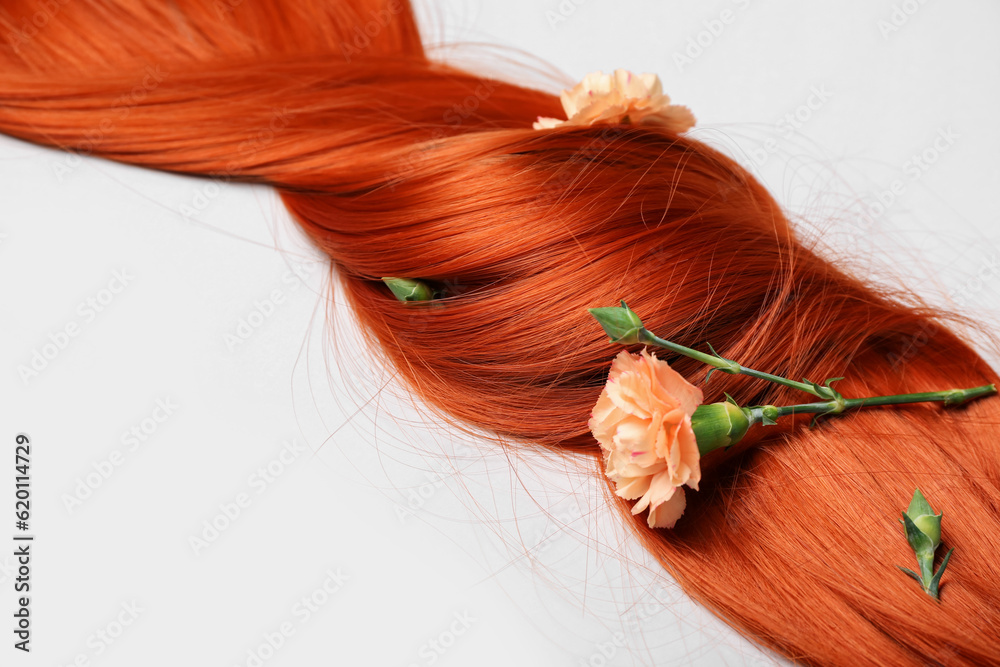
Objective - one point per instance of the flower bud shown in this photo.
(924, 518)
(719, 425)
(407, 289)
(620, 323)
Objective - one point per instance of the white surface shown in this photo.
(556, 586)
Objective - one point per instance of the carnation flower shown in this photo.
(643, 422)
(622, 97)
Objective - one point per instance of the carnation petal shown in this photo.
(569, 102)
(604, 407)
(674, 384)
(624, 465)
(622, 96)
(641, 504)
(643, 423)
(594, 86)
(623, 363)
(674, 117)
(633, 487)
(544, 123)
(647, 459)
(673, 453)
(661, 488)
(666, 514)
(635, 85)
(632, 434)
(652, 83)
(689, 454)
(597, 83)
(630, 394)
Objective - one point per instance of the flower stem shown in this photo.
(948, 397)
(724, 365)
(835, 404)
(647, 336)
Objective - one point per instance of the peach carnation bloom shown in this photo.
(622, 97)
(643, 422)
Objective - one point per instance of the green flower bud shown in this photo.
(621, 324)
(924, 518)
(719, 425)
(923, 532)
(407, 289)
(767, 414)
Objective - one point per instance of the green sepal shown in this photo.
(911, 573)
(621, 324)
(922, 547)
(408, 289)
(918, 540)
(734, 367)
(718, 425)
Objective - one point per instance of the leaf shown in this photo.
(732, 369)
(822, 391)
(833, 393)
(821, 414)
(932, 590)
(912, 574)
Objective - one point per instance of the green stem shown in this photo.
(724, 365)
(647, 336)
(949, 397)
(834, 405)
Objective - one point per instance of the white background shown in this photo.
(423, 525)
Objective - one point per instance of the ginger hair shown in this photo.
(794, 535)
